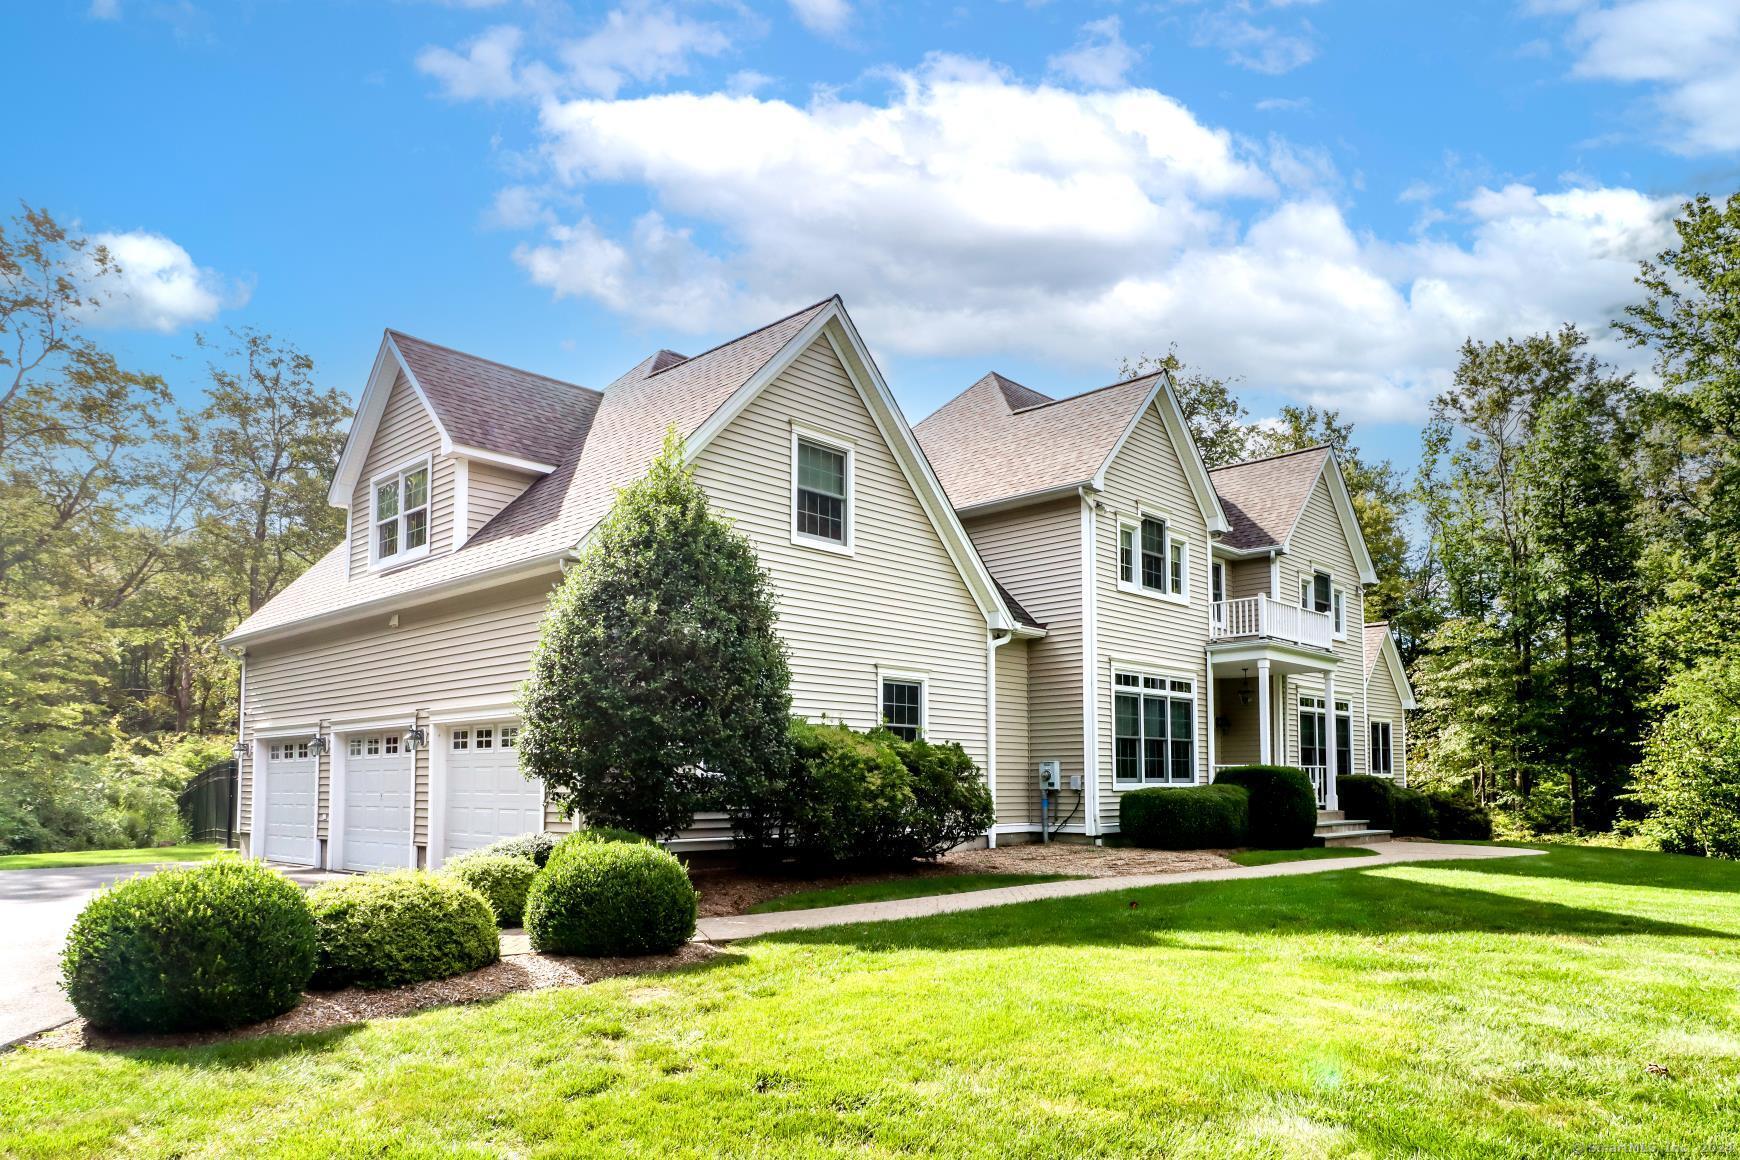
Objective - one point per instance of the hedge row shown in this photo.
(1411, 812)
(1268, 806)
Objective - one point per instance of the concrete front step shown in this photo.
(1353, 837)
(1330, 816)
(1340, 824)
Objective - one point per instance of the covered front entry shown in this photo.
(486, 796)
(378, 783)
(290, 795)
(1251, 719)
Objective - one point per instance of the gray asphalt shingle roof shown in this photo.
(1262, 498)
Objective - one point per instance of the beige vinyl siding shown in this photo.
(1383, 702)
(490, 488)
(897, 602)
(372, 668)
(1017, 781)
(405, 433)
(1035, 553)
(1247, 578)
(1135, 629)
(1238, 742)
(1318, 543)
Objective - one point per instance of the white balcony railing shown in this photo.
(1319, 776)
(1266, 618)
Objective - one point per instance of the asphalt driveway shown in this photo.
(37, 908)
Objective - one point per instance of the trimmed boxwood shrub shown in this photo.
(536, 846)
(610, 898)
(847, 796)
(1186, 818)
(403, 926)
(1459, 819)
(1412, 813)
(951, 803)
(206, 947)
(1360, 795)
(1283, 806)
(610, 834)
(502, 879)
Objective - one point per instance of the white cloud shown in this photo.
(1100, 58)
(484, 72)
(158, 287)
(104, 10)
(1252, 40)
(823, 17)
(969, 213)
(1685, 50)
(639, 42)
(1283, 104)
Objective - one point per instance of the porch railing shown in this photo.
(1319, 776)
(1267, 618)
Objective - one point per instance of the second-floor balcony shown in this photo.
(1264, 618)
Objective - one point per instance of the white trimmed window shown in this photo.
(483, 738)
(510, 736)
(821, 501)
(1153, 730)
(373, 746)
(1338, 612)
(1316, 591)
(401, 514)
(354, 747)
(462, 739)
(1383, 757)
(903, 705)
(392, 743)
(1151, 559)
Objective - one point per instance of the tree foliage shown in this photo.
(659, 683)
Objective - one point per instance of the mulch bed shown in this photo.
(322, 1010)
(729, 890)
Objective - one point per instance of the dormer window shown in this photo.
(401, 514)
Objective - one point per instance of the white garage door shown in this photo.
(486, 796)
(379, 772)
(292, 786)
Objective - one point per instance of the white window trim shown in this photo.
(404, 555)
(1390, 728)
(1129, 670)
(911, 677)
(1338, 595)
(1134, 586)
(801, 433)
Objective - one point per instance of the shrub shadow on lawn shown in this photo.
(1354, 902)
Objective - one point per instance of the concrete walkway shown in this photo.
(728, 929)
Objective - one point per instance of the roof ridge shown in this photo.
(744, 335)
(493, 362)
(1083, 394)
(1276, 455)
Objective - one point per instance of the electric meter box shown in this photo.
(1051, 775)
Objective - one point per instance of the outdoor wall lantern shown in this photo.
(316, 745)
(240, 749)
(1245, 692)
(414, 739)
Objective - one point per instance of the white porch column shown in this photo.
(1334, 745)
(1265, 745)
(1208, 715)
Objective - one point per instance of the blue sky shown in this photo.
(1322, 198)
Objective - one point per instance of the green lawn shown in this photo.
(920, 887)
(1310, 853)
(195, 852)
(1476, 1009)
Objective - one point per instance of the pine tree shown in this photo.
(659, 685)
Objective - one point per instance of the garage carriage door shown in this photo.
(292, 785)
(379, 780)
(487, 798)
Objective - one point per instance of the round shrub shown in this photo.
(1411, 813)
(951, 803)
(610, 834)
(1459, 819)
(1283, 805)
(502, 879)
(610, 898)
(536, 846)
(404, 926)
(1187, 818)
(1361, 795)
(206, 947)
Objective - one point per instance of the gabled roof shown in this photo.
(999, 443)
(482, 409)
(488, 406)
(1379, 645)
(623, 432)
(1265, 498)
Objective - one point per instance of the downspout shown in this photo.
(1090, 794)
(998, 638)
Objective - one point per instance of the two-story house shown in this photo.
(1036, 580)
